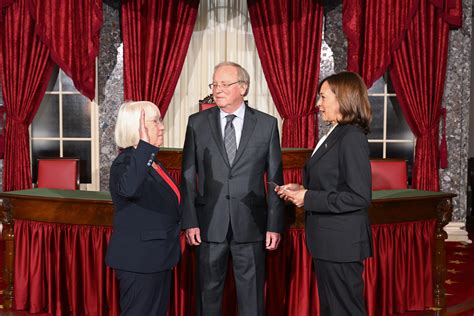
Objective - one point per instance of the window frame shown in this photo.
(93, 139)
(384, 140)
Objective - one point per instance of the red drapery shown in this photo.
(418, 74)
(374, 29)
(293, 176)
(288, 39)
(25, 62)
(60, 268)
(71, 31)
(413, 36)
(5, 3)
(398, 277)
(156, 36)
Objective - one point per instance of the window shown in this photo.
(390, 135)
(66, 126)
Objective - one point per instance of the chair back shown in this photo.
(205, 106)
(58, 173)
(206, 103)
(389, 174)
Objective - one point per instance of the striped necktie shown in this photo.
(229, 138)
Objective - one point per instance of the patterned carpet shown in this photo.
(459, 283)
(460, 277)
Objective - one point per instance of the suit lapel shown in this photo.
(330, 141)
(215, 125)
(247, 130)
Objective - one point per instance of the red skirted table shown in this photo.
(56, 242)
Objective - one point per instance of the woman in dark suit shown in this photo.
(144, 246)
(336, 193)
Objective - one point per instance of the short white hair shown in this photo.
(128, 121)
(242, 74)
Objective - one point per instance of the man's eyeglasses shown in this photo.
(215, 86)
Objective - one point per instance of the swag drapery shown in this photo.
(60, 268)
(155, 46)
(33, 35)
(71, 31)
(410, 37)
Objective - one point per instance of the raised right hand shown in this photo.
(142, 130)
(193, 236)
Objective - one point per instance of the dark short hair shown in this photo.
(351, 93)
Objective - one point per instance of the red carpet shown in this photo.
(460, 277)
(2, 285)
(459, 283)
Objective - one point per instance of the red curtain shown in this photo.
(399, 276)
(293, 175)
(71, 30)
(412, 36)
(156, 36)
(288, 39)
(25, 62)
(60, 268)
(418, 74)
(374, 29)
(5, 3)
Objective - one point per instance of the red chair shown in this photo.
(205, 106)
(58, 173)
(206, 103)
(389, 174)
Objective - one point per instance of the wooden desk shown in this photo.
(292, 158)
(95, 208)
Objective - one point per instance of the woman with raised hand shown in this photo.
(144, 246)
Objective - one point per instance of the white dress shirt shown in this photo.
(322, 139)
(238, 122)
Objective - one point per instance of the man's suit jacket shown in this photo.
(145, 237)
(215, 193)
(338, 181)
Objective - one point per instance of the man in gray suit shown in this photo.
(226, 209)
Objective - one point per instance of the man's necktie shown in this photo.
(229, 138)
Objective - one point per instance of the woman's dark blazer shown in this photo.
(145, 237)
(338, 180)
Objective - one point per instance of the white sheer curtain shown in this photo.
(222, 33)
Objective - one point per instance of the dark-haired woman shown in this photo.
(336, 193)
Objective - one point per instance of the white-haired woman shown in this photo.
(145, 242)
